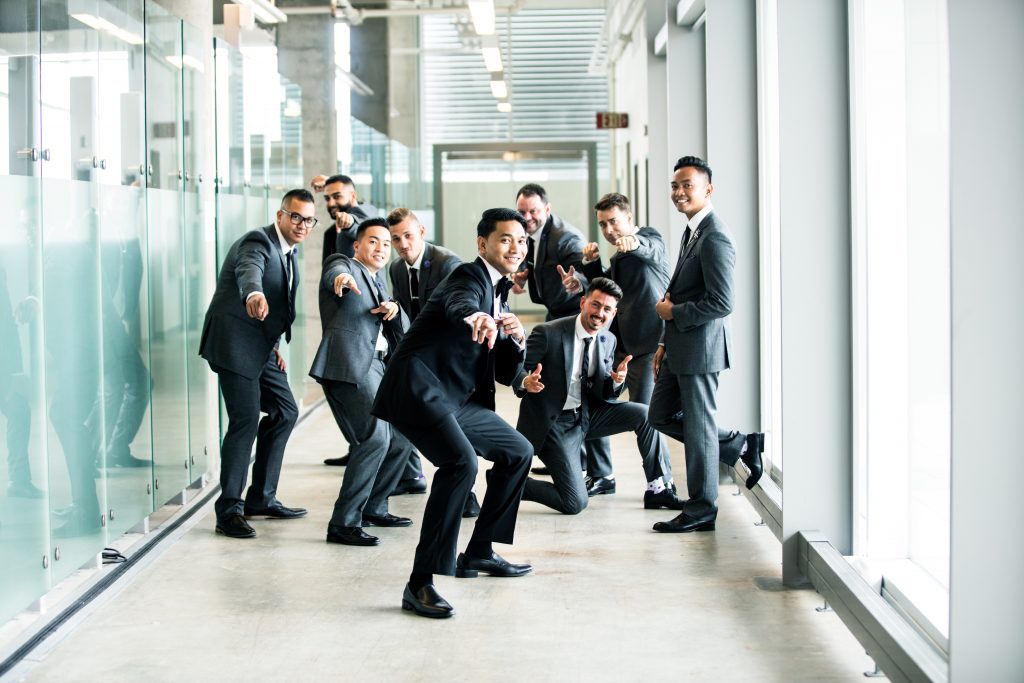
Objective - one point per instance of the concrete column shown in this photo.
(814, 149)
(732, 153)
(986, 49)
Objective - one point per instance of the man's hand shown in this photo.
(520, 278)
(345, 281)
(280, 360)
(569, 281)
(389, 309)
(343, 220)
(592, 252)
(512, 326)
(627, 243)
(256, 306)
(318, 183)
(659, 356)
(619, 376)
(664, 308)
(484, 330)
(532, 383)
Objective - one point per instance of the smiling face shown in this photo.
(505, 247)
(372, 248)
(340, 197)
(534, 210)
(597, 309)
(294, 233)
(615, 223)
(691, 190)
(407, 239)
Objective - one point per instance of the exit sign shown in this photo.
(612, 119)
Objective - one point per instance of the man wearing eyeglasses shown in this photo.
(253, 305)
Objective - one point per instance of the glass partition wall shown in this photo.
(124, 183)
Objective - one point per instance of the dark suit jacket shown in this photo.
(438, 368)
(701, 288)
(643, 276)
(436, 265)
(559, 244)
(340, 241)
(231, 339)
(551, 345)
(349, 329)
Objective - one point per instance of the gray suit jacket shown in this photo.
(231, 339)
(349, 329)
(436, 265)
(559, 244)
(551, 345)
(643, 276)
(701, 289)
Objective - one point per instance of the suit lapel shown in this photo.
(568, 345)
(276, 245)
(704, 224)
(424, 274)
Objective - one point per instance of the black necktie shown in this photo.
(382, 293)
(532, 281)
(501, 291)
(414, 291)
(293, 282)
(585, 370)
(686, 239)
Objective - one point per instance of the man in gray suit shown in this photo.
(362, 327)
(695, 349)
(253, 305)
(578, 401)
(552, 244)
(640, 267)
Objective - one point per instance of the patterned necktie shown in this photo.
(414, 291)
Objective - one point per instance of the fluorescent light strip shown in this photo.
(499, 89)
(492, 59)
(504, 107)
(482, 12)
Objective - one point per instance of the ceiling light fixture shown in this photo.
(504, 107)
(482, 12)
(499, 89)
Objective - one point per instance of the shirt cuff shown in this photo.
(470, 319)
(251, 295)
(585, 261)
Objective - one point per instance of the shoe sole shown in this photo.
(387, 526)
(409, 607)
(227, 535)
(357, 545)
(659, 506)
(700, 527)
(474, 573)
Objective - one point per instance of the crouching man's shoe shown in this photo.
(684, 523)
(752, 458)
(599, 486)
(426, 602)
(467, 567)
(665, 499)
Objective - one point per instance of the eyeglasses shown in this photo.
(296, 218)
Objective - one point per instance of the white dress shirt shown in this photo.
(573, 398)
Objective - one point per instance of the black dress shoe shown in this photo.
(684, 523)
(752, 458)
(350, 535)
(467, 567)
(426, 602)
(415, 485)
(665, 499)
(541, 470)
(386, 519)
(599, 486)
(277, 511)
(337, 462)
(472, 507)
(235, 526)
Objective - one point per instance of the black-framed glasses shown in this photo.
(296, 218)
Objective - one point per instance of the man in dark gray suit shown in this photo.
(695, 349)
(414, 276)
(345, 210)
(253, 305)
(552, 244)
(578, 401)
(640, 267)
(361, 327)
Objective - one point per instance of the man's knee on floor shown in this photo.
(575, 504)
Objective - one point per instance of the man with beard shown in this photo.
(345, 210)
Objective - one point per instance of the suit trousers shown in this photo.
(567, 493)
(640, 383)
(453, 445)
(377, 456)
(684, 407)
(244, 400)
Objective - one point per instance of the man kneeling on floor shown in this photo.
(576, 358)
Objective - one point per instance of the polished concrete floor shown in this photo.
(609, 600)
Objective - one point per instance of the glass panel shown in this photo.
(24, 539)
(166, 248)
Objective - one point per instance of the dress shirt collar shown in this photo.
(285, 247)
(694, 222)
(581, 332)
(419, 260)
(495, 275)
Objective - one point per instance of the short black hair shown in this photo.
(695, 162)
(298, 194)
(533, 190)
(339, 178)
(613, 200)
(491, 217)
(607, 286)
(371, 223)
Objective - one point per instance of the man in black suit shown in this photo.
(695, 350)
(253, 305)
(414, 277)
(640, 267)
(578, 401)
(361, 327)
(553, 244)
(438, 390)
(345, 210)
